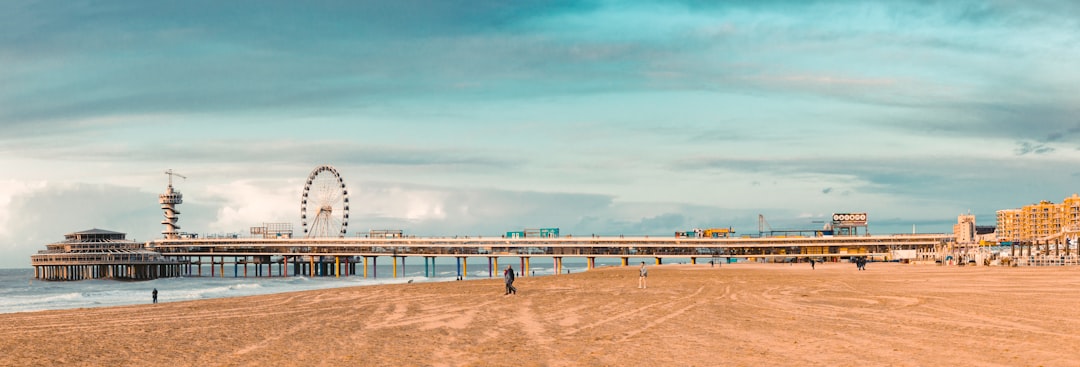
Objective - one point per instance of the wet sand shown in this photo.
(738, 315)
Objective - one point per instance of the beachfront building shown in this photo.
(98, 253)
(964, 229)
(967, 233)
(1008, 225)
(1041, 222)
(973, 243)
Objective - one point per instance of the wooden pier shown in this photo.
(354, 256)
(98, 253)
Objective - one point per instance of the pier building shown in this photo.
(98, 253)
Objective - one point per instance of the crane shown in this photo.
(171, 174)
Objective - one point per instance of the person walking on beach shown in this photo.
(508, 276)
(154, 293)
(642, 274)
(811, 264)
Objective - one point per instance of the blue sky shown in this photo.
(475, 118)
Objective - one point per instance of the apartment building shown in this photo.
(1037, 222)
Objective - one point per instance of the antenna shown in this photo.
(762, 224)
(171, 174)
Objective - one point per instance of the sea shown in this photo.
(20, 292)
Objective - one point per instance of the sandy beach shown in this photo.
(692, 315)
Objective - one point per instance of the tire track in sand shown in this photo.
(637, 311)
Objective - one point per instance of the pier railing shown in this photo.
(560, 246)
(99, 259)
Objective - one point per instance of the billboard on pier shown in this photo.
(849, 219)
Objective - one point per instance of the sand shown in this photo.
(737, 315)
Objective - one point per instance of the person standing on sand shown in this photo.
(508, 276)
(811, 264)
(642, 274)
(154, 293)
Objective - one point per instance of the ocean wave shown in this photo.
(20, 293)
(15, 300)
(246, 286)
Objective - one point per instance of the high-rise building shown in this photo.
(964, 229)
(1039, 222)
(1008, 225)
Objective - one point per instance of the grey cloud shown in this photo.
(1027, 147)
(265, 152)
(1052, 120)
(660, 224)
(1066, 133)
(493, 212)
(664, 221)
(490, 212)
(183, 59)
(1003, 182)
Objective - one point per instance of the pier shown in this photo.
(357, 256)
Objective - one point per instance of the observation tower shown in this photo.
(168, 202)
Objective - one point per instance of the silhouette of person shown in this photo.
(642, 274)
(508, 275)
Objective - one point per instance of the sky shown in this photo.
(482, 117)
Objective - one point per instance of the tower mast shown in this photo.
(168, 201)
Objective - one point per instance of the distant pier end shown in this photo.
(97, 254)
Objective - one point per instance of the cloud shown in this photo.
(44, 214)
(430, 210)
(9, 190)
(907, 183)
(1065, 134)
(247, 203)
(1027, 147)
(186, 59)
(191, 60)
(343, 152)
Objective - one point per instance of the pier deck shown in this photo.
(562, 246)
(337, 256)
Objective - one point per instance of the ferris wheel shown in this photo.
(324, 207)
